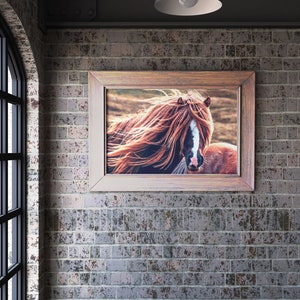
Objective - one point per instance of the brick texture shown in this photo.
(162, 245)
(173, 245)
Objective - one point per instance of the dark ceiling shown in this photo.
(141, 13)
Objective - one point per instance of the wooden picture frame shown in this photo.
(102, 82)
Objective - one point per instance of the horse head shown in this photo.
(198, 134)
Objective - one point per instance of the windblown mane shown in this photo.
(161, 127)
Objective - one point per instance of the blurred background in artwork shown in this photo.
(125, 103)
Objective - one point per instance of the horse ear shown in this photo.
(180, 101)
(207, 101)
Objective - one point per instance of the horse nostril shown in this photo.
(200, 160)
(189, 157)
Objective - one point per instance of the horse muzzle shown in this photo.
(194, 163)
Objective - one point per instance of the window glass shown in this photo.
(12, 242)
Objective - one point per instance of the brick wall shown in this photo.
(173, 245)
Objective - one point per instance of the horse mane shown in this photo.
(162, 125)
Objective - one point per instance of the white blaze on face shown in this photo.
(196, 142)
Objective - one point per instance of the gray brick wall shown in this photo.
(173, 245)
(157, 245)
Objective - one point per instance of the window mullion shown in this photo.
(4, 249)
(17, 128)
(4, 187)
(3, 87)
(4, 66)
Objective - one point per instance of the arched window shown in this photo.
(12, 169)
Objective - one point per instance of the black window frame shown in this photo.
(12, 169)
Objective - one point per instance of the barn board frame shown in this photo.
(101, 82)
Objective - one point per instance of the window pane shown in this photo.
(12, 242)
(12, 185)
(11, 128)
(2, 190)
(1, 253)
(9, 83)
(11, 291)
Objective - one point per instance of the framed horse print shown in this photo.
(171, 131)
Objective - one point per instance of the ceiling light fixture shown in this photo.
(187, 7)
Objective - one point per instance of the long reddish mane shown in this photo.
(162, 125)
